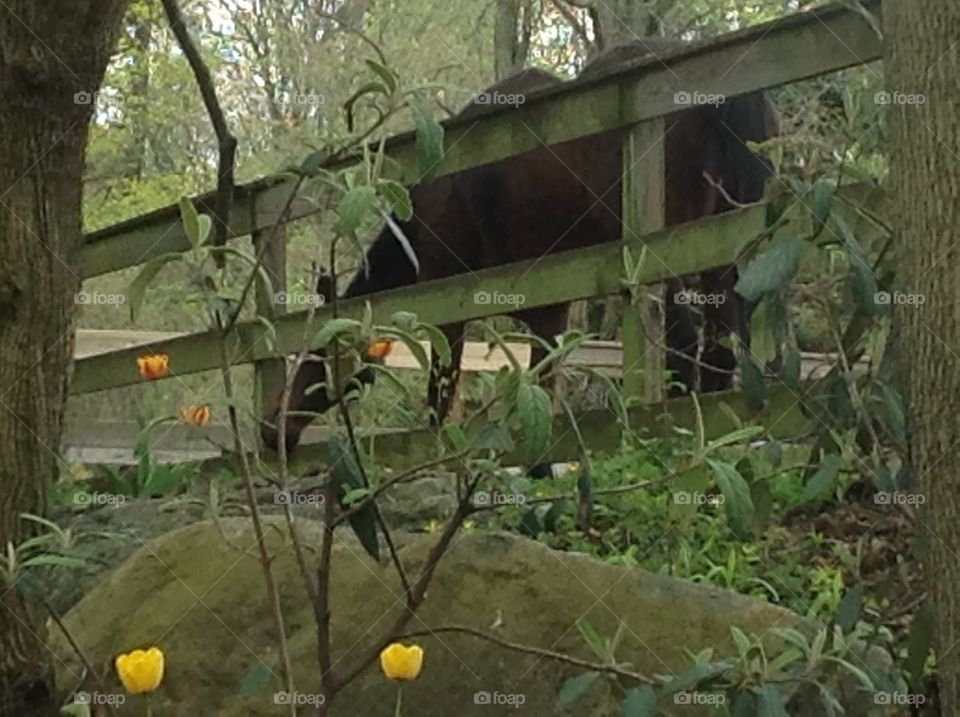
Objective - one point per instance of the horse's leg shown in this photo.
(546, 322)
(724, 315)
(444, 379)
(682, 340)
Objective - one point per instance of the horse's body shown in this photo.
(564, 197)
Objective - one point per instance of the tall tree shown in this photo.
(923, 67)
(52, 58)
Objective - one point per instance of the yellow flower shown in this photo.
(140, 671)
(195, 415)
(432, 527)
(378, 350)
(400, 662)
(153, 366)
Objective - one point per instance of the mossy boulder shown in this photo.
(198, 594)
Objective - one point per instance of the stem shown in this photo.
(530, 650)
(265, 560)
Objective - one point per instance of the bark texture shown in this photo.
(923, 66)
(52, 58)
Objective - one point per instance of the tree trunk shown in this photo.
(923, 63)
(49, 52)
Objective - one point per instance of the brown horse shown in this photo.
(554, 199)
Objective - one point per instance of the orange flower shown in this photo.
(378, 350)
(153, 366)
(195, 415)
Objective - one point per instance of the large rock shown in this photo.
(199, 595)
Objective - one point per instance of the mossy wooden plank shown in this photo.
(602, 431)
(792, 48)
(573, 275)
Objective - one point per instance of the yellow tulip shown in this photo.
(400, 662)
(140, 671)
(153, 366)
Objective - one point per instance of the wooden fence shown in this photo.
(636, 99)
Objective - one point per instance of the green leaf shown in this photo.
(763, 343)
(863, 282)
(574, 688)
(770, 703)
(754, 388)
(388, 77)
(312, 162)
(741, 435)
(52, 560)
(356, 204)
(790, 371)
(412, 343)
(138, 287)
(333, 329)
(772, 268)
(258, 677)
(822, 204)
(195, 226)
(370, 88)
(494, 437)
(698, 673)
(530, 523)
(593, 638)
(429, 136)
(398, 197)
(347, 476)
(762, 498)
(736, 493)
(533, 403)
(640, 702)
(75, 709)
(849, 609)
(438, 341)
(354, 495)
(825, 477)
(551, 517)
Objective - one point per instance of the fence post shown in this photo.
(643, 212)
(269, 374)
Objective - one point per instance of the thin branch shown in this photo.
(227, 143)
(530, 650)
